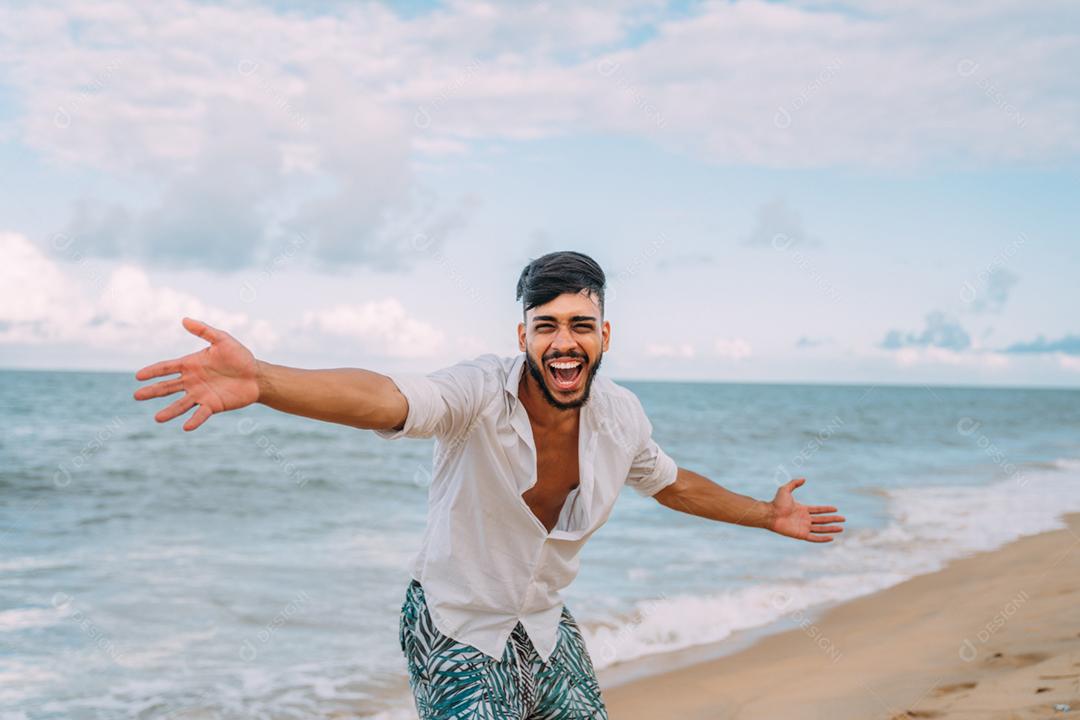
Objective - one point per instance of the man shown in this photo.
(530, 457)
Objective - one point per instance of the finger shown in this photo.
(198, 418)
(826, 529)
(165, 367)
(179, 407)
(821, 509)
(827, 519)
(821, 539)
(198, 327)
(161, 389)
(794, 483)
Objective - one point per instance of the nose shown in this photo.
(564, 343)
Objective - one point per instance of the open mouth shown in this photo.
(566, 373)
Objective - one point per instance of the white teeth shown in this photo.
(565, 365)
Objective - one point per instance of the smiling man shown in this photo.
(528, 465)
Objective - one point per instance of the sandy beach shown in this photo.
(993, 636)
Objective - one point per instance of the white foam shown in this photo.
(22, 618)
(19, 564)
(1069, 464)
(404, 713)
(391, 550)
(927, 528)
(18, 681)
(170, 646)
(675, 622)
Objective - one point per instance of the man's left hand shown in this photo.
(802, 522)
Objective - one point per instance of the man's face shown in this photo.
(564, 341)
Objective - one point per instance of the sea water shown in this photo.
(255, 568)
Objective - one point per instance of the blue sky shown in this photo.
(785, 192)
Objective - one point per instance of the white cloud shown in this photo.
(439, 146)
(732, 348)
(42, 302)
(665, 350)
(1068, 362)
(853, 89)
(932, 355)
(233, 126)
(37, 301)
(231, 110)
(384, 328)
(867, 88)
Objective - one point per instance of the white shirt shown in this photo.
(486, 561)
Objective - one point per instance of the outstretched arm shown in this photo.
(697, 495)
(226, 376)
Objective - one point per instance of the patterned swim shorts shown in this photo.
(454, 681)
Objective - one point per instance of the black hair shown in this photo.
(549, 276)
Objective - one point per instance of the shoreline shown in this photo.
(995, 634)
(648, 666)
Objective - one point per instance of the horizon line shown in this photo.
(690, 381)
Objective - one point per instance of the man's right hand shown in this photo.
(223, 376)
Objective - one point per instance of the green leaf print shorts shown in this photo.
(454, 681)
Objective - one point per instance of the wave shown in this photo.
(31, 617)
(927, 528)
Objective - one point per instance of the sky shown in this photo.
(871, 192)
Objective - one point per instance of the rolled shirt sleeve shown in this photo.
(426, 406)
(445, 402)
(652, 469)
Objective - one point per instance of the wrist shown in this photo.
(262, 380)
(769, 513)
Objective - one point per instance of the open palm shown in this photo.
(802, 522)
(220, 377)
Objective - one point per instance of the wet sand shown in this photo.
(994, 636)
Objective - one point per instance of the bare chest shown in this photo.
(557, 474)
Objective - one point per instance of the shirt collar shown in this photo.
(513, 378)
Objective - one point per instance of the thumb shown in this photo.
(197, 327)
(794, 483)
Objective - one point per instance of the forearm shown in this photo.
(697, 495)
(349, 396)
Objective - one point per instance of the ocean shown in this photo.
(255, 567)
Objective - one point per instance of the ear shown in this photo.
(606, 330)
(521, 337)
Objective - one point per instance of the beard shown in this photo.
(541, 379)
